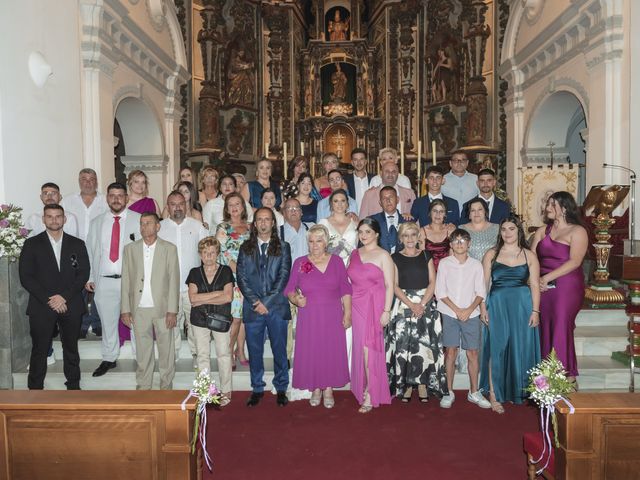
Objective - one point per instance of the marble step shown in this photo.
(601, 318)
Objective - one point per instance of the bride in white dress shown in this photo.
(343, 237)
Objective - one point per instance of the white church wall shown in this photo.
(40, 128)
(573, 46)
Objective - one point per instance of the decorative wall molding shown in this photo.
(147, 163)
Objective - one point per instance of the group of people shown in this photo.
(352, 278)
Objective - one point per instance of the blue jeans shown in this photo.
(90, 319)
(277, 330)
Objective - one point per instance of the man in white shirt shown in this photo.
(108, 234)
(50, 195)
(151, 310)
(387, 155)
(185, 233)
(359, 181)
(459, 184)
(213, 210)
(85, 206)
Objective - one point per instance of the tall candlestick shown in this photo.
(433, 151)
(302, 148)
(418, 167)
(284, 156)
(402, 157)
(266, 150)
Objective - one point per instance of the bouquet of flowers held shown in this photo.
(205, 391)
(547, 385)
(12, 233)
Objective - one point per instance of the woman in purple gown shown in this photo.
(561, 246)
(318, 286)
(371, 271)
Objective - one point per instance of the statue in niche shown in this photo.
(442, 76)
(240, 72)
(338, 28)
(339, 82)
(238, 127)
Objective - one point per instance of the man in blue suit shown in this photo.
(389, 219)
(359, 181)
(262, 270)
(420, 209)
(498, 209)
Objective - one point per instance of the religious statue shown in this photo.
(442, 75)
(338, 28)
(339, 82)
(240, 77)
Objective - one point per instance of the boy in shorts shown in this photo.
(460, 289)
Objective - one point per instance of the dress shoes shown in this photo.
(103, 368)
(254, 399)
(282, 399)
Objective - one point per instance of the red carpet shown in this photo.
(401, 441)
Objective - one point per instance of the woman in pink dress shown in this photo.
(139, 201)
(371, 271)
(319, 287)
(561, 246)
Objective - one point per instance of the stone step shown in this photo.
(601, 318)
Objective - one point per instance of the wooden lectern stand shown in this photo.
(97, 435)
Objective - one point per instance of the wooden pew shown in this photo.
(600, 440)
(110, 435)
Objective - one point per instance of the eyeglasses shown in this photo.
(293, 209)
(49, 194)
(459, 160)
(459, 241)
(438, 211)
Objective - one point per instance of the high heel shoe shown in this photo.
(406, 398)
(327, 398)
(315, 397)
(496, 406)
(423, 395)
(244, 362)
(366, 406)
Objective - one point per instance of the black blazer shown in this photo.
(269, 293)
(39, 273)
(351, 186)
(500, 211)
(386, 240)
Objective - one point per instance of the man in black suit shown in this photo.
(389, 219)
(420, 208)
(54, 267)
(498, 209)
(359, 181)
(263, 269)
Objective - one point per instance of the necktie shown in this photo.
(114, 250)
(263, 263)
(391, 221)
(263, 249)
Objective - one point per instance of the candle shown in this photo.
(402, 157)
(284, 156)
(418, 167)
(266, 150)
(302, 148)
(433, 151)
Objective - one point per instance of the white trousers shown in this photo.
(184, 312)
(202, 339)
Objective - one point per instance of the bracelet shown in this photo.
(386, 311)
(536, 311)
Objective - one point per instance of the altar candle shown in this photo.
(284, 156)
(433, 151)
(302, 148)
(418, 166)
(266, 150)
(402, 157)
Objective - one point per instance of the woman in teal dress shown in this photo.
(512, 313)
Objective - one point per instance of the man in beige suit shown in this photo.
(150, 293)
(371, 199)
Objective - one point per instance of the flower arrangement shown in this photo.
(12, 232)
(547, 385)
(206, 392)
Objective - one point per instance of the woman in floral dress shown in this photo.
(231, 233)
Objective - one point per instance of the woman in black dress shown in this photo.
(413, 338)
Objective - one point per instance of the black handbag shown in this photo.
(214, 317)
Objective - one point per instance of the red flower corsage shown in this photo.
(306, 267)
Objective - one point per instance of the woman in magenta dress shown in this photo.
(561, 246)
(371, 271)
(319, 287)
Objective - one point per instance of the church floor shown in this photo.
(400, 441)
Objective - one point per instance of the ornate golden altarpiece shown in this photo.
(333, 75)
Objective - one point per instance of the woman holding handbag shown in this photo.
(211, 292)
